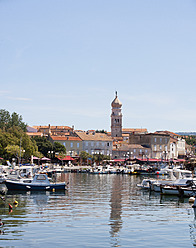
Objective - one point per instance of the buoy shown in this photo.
(15, 203)
(53, 190)
(10, 206)
(191, 199)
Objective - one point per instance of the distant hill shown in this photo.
(186, 133)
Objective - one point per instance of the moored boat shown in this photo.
(146, 183)
(178, 190)
(40, 182)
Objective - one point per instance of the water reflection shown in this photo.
(116, 210)
(193, 229)
(107, 206)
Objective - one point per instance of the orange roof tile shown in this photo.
(94, 136)
(55, 138)
(34, 134)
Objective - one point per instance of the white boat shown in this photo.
(40, 182)
(98, 170)
(110, 169)
(146, 183)
(177, 178)
(178, 190)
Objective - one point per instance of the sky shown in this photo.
(61, 62)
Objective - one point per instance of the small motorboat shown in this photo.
(178, 190)
(40, 182)
(146, 183)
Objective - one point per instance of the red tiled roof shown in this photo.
(52, 127)
(34, 134)
(168, 132)
(65, 138)
(134, 130)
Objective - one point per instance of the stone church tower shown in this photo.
(116, 118)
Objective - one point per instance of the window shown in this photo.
(155, 140)
(108, 144)
(165, 140)
(86, 143)
(160, 140)
(78, 145)
(71, 145)
(64, 144)
(92, 143)
(155, 147)
(160, 147)
(41, 177)
(134, 150)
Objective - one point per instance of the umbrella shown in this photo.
(44, 158)
(36, 158)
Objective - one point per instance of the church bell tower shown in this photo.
(116, 118)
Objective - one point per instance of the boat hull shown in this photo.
(30, 187)
(180, 191)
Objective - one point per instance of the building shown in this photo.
(130, 151)
(177, 145)
(93, 143)
(134, 130)
(32, 132)
(158, 143)
(54, 130)
(116, 118)
(72, 144)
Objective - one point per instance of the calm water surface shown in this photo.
(97, 211)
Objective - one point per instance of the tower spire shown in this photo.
(116, 117)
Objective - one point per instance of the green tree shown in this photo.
(7, 121)
(14, 150)
(59, 148)
(15, 136)
(191, 140)
(16, 120)
(44, 145)
(84, 156)
(4, 118)
(101, 131)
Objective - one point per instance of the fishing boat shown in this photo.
(40, 182)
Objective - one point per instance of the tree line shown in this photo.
(15, 143)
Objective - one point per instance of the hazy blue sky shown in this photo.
(62, 61)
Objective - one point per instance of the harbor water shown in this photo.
(97, 211)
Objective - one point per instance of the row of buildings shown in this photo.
(120, 143)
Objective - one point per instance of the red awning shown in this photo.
(149, 159)
(66, 158)
(118, 160)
